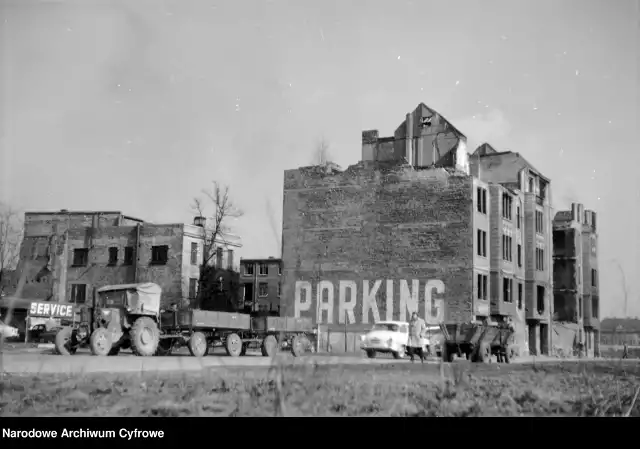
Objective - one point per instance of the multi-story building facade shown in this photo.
(65, 256)
(261, 284)
(576, 279)
(517, 184)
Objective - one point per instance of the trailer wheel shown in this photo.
(144, 336)
(299, 345)
(100, 342)
(371, 353)
(165, 347)
(233, 345)
(269, 346)
(197, 345)
(63, 342)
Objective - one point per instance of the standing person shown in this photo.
(417, 328)
(625, 351)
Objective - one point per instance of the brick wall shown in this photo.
(377, 238)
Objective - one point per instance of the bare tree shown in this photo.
(222, 210)
(217, 228)
(11, 233)
(321, 155)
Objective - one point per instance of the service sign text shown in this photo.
(51, 309)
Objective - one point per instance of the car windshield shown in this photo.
(385, 327)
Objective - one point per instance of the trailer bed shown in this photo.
(205, 319)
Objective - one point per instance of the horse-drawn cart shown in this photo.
(473, 340)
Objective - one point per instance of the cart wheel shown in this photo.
(233, 345)
(269, 346)
(483, 354)
(299, 345)
(506, 357)
(198, 345)
(371, 353)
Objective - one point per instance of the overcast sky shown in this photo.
(137, 105)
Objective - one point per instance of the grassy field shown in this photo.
(403, 389)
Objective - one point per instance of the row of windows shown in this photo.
(507, 247)
(263, 290)
(159, 255)
(507, 206)
(482, 281)
(263, 269)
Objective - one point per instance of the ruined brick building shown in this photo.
(576, 281)
(418, 224)
(260, 279)
(65, 256)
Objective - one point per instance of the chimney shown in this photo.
(408, 154)
(369, 144)
(229, 259)
(580, 213)
(199, 221)
(574, 212)
(218, 257)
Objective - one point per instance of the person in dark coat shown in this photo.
(417, 329)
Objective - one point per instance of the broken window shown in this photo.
(506, 290)
(540, 299)
(594, 308)
(113, 255)
(78, 293)
(518, 217)
(481, 200)
(519, 255)
(263, 289)
(262, 269)
(558, 239)
(159, 254)
(539, 259)
(539, 222)
(279, 289)
(481, 288)
(507, 248)
(248, 269)
(482, 243)
(594, 278)
(279, 269)
(128, 255)
(507, 205)
(80, 257)
(520, 298)
(531, 185)
(194, 253)
(193, 288)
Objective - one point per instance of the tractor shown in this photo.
(126, 316)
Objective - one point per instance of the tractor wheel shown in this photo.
(299, 345)
(269, 346)
(371, 353)
(165, 346)
(144, 336)
(63, 341)
(100, 342)
(198, 345)
(234, 345)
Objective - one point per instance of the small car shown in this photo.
(388, 337)
(9, 332)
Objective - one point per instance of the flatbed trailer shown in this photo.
(201, 330)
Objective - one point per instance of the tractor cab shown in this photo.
(126, 315)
